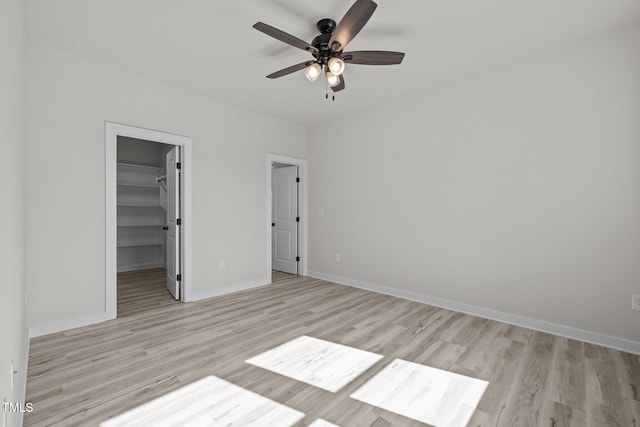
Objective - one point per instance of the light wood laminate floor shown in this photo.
(88, 375)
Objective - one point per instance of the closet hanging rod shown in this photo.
(161, 178)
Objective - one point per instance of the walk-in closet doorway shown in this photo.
(148, 218)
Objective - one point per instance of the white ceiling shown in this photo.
(210, 47)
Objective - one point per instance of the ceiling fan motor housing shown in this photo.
(326, 26)
(321, 42)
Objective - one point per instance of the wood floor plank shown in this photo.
(156, 345)
(567, 380)
(629, 365)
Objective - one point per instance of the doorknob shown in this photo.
(273, 224)
(165, 228)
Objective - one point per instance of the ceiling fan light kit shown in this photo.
(336, 65)
(313, 71)
(332, 79)
(327, 48)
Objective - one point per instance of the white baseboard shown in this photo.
(22, 377)
(65, 325)
(229, 289)
(513, 319)
(139, 266)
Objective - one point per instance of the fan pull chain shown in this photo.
(326, 89)
(326, 94)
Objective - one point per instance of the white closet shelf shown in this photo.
(136, 166)
(134, 244)
(139, 205)
(139, 186)
(139, 223)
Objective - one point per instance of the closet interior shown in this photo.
(141, 204)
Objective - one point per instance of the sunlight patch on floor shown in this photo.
(322, 423)
(210, 401)
(422, 393)
(320, 363)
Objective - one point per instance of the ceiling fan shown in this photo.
(327, 48)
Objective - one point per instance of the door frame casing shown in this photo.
(112, 131)
(302, 211)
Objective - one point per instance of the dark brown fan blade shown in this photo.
(351, 24)
(339, 86)
(373, 57)
(289, 70)
(284, 37)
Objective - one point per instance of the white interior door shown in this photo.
(173, 222)
(284, 219)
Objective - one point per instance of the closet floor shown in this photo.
(142, 290)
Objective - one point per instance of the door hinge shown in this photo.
(179, 221)
(297, 259)
(297, 179)
(179, 277)
(297, 219)
(178, 165)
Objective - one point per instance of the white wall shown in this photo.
(12, 323)
(68, 100)
(516, 191)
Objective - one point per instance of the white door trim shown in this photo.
(302, 209)
(112, 131)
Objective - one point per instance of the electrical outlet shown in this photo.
(635, 302)
(223, 264)
(337, 257)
